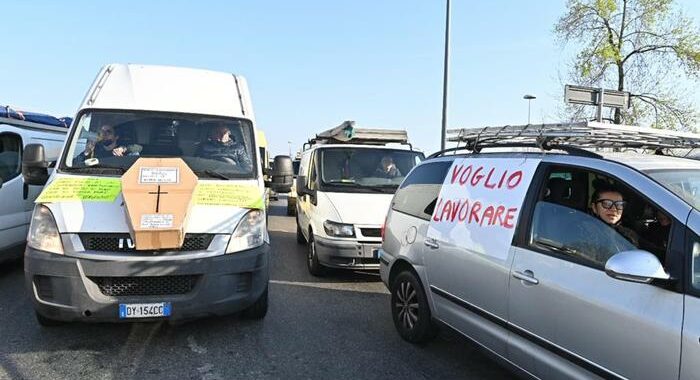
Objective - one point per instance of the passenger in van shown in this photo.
(106, 145)
(608, 204)
(221, 146)
(387, 168)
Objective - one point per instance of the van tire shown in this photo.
(315, 268)
(410, 310)
(257, 310)
(47, 322)
(300, 236)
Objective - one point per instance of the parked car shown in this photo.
(344, 193)
(89, 259)
(17, 196)
(564, 262)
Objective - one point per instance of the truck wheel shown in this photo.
(258, 310)
(300, 236)
(47, 322)
(315, 268)
(410, 310)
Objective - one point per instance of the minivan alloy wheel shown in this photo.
(407, 305)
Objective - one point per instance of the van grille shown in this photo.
(110, 242)
(145, 286)
(371, 232)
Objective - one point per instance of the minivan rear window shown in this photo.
(418, 193)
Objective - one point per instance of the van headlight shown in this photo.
(338, 229)
(249, 233)
(43, 232)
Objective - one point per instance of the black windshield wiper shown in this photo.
(215, 174)
(94, 169)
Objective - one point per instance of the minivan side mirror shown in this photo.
(636, 266)
(282, 174)
(34, 166)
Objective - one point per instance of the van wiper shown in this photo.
(215, 174)
(94, 169)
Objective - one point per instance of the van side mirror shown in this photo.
(301, 185)
(636, 266)
(282, 174)
(0, 182)
(34, 166)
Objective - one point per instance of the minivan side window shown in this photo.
(418, 193)
(588, 217)
(10, 156)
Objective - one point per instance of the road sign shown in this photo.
(591, 96)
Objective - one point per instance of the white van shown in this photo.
(17, 196)
(347, 177)
(83, 261)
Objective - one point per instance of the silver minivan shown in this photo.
(563, 262)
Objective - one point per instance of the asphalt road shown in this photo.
(336, 327)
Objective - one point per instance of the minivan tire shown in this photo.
(315, 268)
(410, 310)
(47, 322)
(257, 310)
(300, 235)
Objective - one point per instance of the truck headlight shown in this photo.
(338, 229)
(43, 232)
(249, 233)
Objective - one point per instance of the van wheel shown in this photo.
(410, 310)
(258, 310)
(300, 236)
(315, 268)
(47, 322)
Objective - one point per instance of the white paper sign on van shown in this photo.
(155, 221)
(480, 202)
(159, 175)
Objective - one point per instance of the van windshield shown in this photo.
(366, 168)
(683, 182)
(109, 142)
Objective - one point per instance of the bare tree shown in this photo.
(647, 47)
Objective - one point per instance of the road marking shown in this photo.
(332, 286)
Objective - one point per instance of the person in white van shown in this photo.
(220, 146)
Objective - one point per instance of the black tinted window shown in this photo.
(419, 191)
(10, 156)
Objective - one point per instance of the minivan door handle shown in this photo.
(431, 243)
(526, 276)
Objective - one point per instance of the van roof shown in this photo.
(169, 89)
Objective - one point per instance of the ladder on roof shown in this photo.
(347, 133)
(578, 135)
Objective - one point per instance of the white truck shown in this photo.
(84, 259)
(347, 178)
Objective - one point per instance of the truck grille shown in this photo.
(145, 286)
(111, 242)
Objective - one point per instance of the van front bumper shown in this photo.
(348, 254)
(66, 288)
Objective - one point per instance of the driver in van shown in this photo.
(221, 146)
(387, 168)
(608, 204)
(107, 145)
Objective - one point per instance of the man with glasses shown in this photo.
(106, 145)
(608, 204)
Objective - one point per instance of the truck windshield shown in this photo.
(109, 142)
(683, 182)
(370, 168)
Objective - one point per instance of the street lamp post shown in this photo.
(529, 98)
(443, 135)
(290, 148)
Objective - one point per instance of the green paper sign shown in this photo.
(77, 189)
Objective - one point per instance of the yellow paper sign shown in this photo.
(67, 189)
(217, 194)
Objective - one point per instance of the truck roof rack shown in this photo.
(576, 138)
(347, 133)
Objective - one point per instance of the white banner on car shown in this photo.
(479, 203)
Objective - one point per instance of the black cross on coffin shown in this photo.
(158, 193)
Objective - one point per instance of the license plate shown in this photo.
(144, 310)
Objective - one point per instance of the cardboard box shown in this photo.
(158, 196)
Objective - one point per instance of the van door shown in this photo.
(568, 318)
(690, 366)
(308, 165)
(14, 218)
(468, 247)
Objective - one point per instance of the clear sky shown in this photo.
(310, 64)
